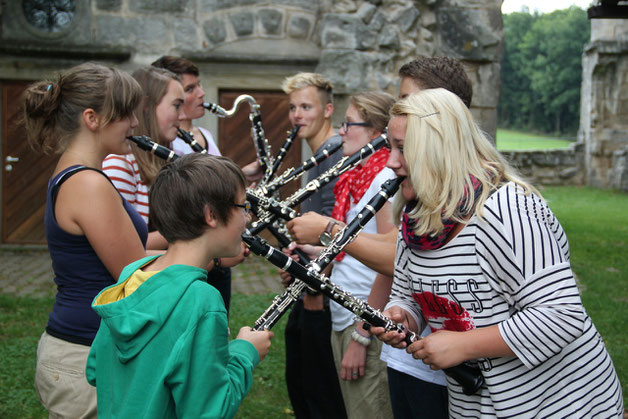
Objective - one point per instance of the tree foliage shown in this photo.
(542, 70)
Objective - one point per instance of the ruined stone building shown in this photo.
(241, 47)
(250, 46)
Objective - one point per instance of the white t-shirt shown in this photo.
(181, 148)
(350, 274)
(400, 360)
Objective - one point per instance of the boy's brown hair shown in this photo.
(444, 72)
(177, 65)
(184, 188)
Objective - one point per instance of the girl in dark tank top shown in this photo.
(84, 114)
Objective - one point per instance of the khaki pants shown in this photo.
(367, 397)
(60, 379)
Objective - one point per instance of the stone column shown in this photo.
(604, 104)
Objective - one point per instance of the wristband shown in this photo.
(217, 263)
(362, 340)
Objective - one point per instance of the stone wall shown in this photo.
(550, 167)
(254, 44)
(363, 44)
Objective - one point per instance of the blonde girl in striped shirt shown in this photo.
(483, 261)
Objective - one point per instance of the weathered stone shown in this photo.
(215, 5)
(375, 2)
(618, 177)
(384, 81)
(312, 5)
(71, 30)
(389, 38)
(299, 26)
(343, 6)
(427, 35)
(185, 32)
(565, 165)
(406, 18)
(339, 31)
(469, 33)
(346, 69)
(568, 173)
(378, 21)
(270, 20)
(366, 12)
(428, 19)
(425, 49)
(215, 30)
(141, 33)
(109, 5)
(484, 76)
(243, 23)
(366, 39)
(158, 6)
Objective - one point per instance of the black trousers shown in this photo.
(310, 372)
(413, 398)
(220, 278)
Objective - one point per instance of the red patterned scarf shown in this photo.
(426, 241)
(355, 183)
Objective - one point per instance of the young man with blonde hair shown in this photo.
(310, 372)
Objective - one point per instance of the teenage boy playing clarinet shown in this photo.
(163, 347)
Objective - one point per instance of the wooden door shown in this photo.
(235, 138)
(25, 174)
(234, 133)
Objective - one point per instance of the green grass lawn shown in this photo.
(596, 222)
(517, 140)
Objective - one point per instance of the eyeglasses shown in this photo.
(345, 125)
(246, 206)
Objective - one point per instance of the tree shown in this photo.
(515, 102)
(542, 70)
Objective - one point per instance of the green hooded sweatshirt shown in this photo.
(163, 351)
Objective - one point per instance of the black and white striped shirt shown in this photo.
(511, 268)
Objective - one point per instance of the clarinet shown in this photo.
(291, 174)
(267, 207)
(467, 376)
(262, 147)
(345, 236)
(282, 153)
(263, 211)
(147, 144)
(345, 164)
(189, 138)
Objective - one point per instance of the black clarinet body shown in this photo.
(262, 147)
(339, 242)
(189, 139)
(147, 144)
(345, 164)
(281, 155)
(467, 376)
(292, 174)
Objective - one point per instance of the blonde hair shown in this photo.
(302, 80)
(154, 83)
(374, 108)
(443, 146)
(53, 108)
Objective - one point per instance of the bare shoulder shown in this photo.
(90, 184)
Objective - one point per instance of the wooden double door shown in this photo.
(25, 173)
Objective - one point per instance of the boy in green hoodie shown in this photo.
(162, 349)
